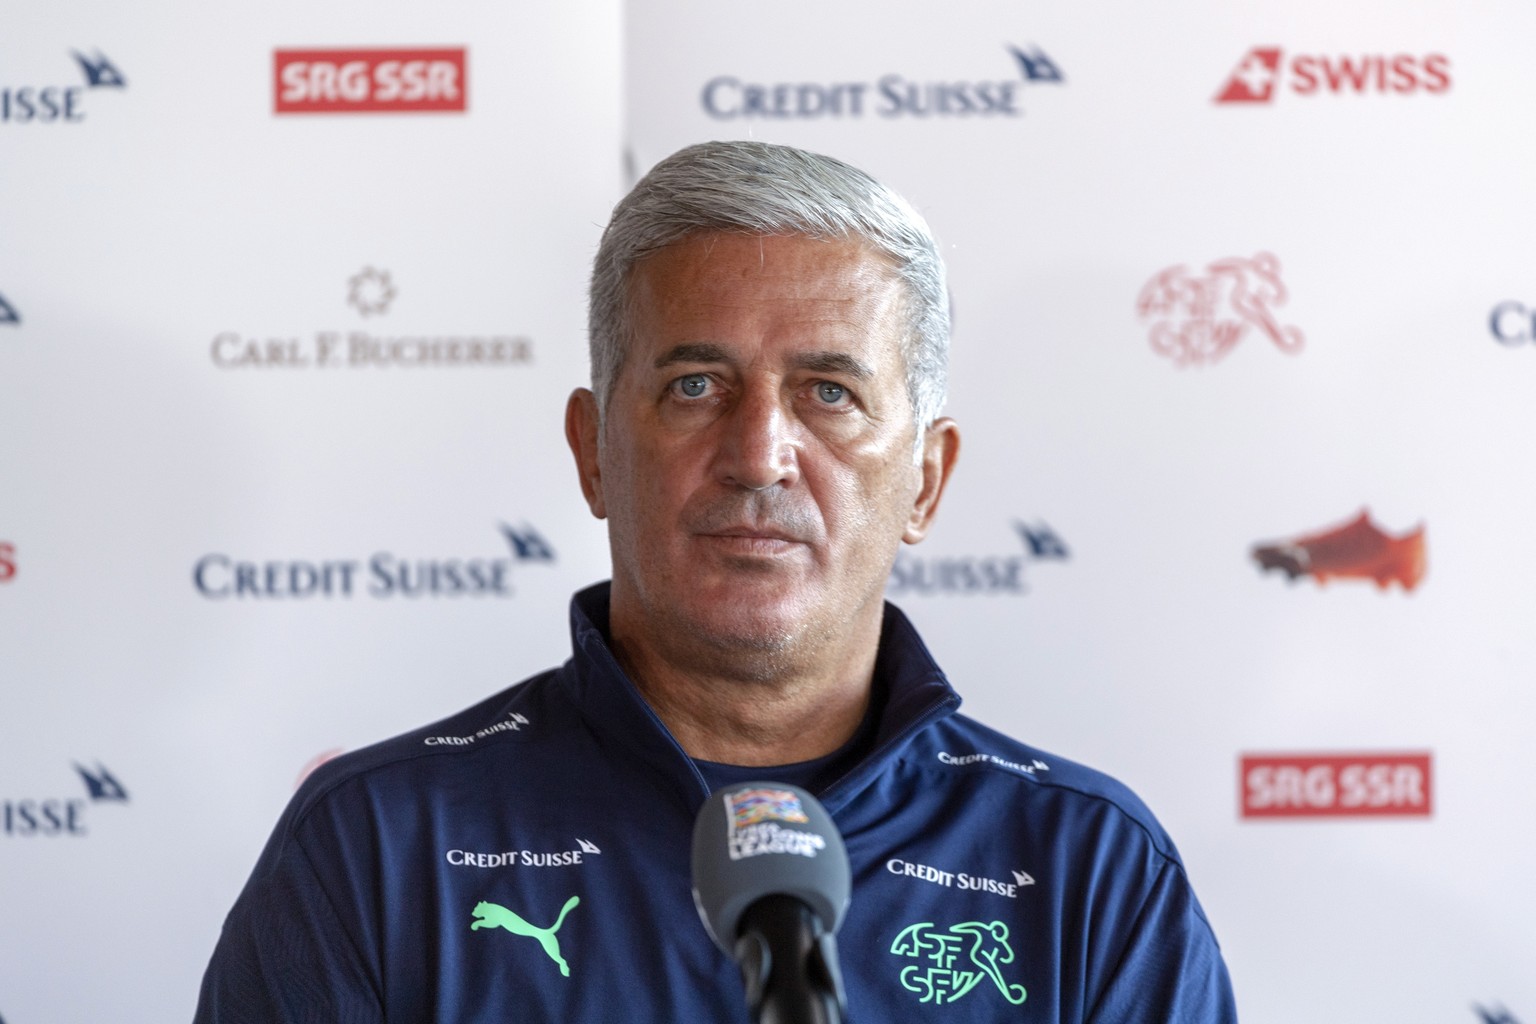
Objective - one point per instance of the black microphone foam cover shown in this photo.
(756, 839)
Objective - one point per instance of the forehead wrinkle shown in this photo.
(685, 296)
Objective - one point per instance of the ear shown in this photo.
(941, 447)
(581, 433)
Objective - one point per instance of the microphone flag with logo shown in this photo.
(771, 882)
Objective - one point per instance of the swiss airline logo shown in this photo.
(1365, 785)
(371, 81)
(1264, 72)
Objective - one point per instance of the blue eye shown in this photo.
(693, 385)
(830, 393)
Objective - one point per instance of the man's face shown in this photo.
(755, 462)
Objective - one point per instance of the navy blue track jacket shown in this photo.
(528, 860)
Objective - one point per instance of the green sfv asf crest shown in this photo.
(494, 915)
(940, 976)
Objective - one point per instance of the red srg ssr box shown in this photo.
(369, 81)
(1336, 785)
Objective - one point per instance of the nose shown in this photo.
(757, 447)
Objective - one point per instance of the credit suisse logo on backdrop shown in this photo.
(1494, 1015)
(55, 102)
(370, 81)
(1336, 785)
(370, 292)
(8, 314)
(727, 97)
(7, 561)
(1513, 323)
(384, 575)
(1264, 73)
(58, 816)
(994, 574)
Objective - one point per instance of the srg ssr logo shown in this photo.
(1336, 785)
(370, 81)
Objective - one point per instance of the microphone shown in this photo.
(771, 883)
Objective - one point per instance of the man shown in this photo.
(769, 341)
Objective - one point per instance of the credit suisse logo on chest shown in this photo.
(959, 879)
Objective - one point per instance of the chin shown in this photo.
(745, 623)
(753, 628)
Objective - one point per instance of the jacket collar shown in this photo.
(910, 686)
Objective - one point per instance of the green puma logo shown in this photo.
(493, 915)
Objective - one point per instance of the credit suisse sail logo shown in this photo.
(55, 815)
(1265, 73)
(995, 94)
(1495, 1014)
(8, 314)
(998, 573)
(370, 81)
(1336, 785)
(56, 99)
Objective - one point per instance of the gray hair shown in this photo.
(763, 189)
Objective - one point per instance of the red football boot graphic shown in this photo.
(1358, 549)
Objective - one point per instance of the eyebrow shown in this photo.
(821, 362)
(834, 362)
(693, 352)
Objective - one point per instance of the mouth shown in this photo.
(751, 540)
(752, 533)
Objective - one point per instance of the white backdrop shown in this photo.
(1158, 649)
(179, 210)
(205, 503)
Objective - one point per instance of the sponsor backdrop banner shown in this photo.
(291, 299)
(1243, 310)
